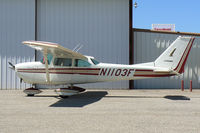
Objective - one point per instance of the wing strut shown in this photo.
(46, 65)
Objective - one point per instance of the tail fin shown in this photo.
(175, 56)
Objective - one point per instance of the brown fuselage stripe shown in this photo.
(139, 70)
(61, 69)
(92, 71)
(61, 73)
(161, 75)
(81, 71)
(150, 73)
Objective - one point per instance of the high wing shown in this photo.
(53, 48)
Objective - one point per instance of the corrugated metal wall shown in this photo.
(102, 26)
(16, 24)
(148, 46)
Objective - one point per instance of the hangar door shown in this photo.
(148, 46)
(101, 26)
(16, 25)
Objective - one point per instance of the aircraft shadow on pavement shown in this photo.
(176, 97)
(170, 97)
(132, 97)
(80, 100)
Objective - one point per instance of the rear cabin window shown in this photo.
(81, 63)
(63, 62)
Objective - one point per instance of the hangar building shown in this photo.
(103, 27)
(148, 45)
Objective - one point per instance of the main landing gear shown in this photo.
(66, 92)
(62, 92)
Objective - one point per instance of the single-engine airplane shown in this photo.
(62, 66)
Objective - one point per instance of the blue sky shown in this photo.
(185, 14)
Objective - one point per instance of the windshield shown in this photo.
(95, 61)
(49, 58)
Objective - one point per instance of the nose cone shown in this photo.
(21, 69)
(19, 66)
(26, 65)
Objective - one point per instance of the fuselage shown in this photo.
(36, 72)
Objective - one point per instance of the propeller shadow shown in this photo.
(80, 100)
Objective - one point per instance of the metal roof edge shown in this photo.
(166, 32)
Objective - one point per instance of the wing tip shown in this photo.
(41, 43)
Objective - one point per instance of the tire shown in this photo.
(64, 96)
(30, 95)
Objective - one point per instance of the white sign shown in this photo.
(163, 27)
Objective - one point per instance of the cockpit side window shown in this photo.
(95, 61)
(81, 63)
(49, 59)
(63, 62)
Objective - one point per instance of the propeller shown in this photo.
(11, 65)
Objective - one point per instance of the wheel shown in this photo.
(62, 96)
(30, 95)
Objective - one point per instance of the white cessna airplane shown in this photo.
(61, 66)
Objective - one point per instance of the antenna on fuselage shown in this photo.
(78, 47)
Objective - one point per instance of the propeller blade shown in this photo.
(11, 65)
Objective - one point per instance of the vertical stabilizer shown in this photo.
(175, 56)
